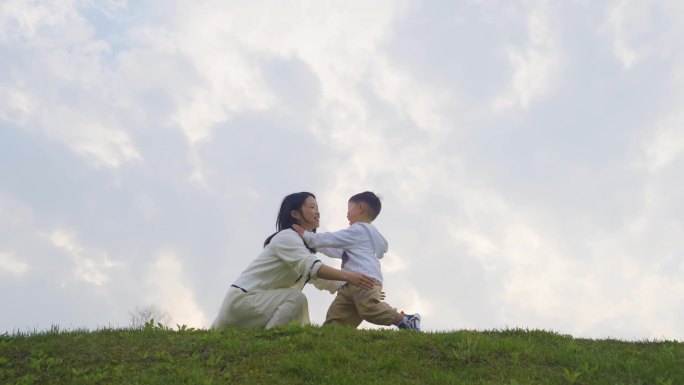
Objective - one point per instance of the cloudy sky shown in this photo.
(529, 154)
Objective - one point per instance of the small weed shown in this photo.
(79, 372)
(588, 370)
(466, 351)
(152, 325)
(41, 362)
(28, 379)
(216, 361)
(185, 328)
(571, 376)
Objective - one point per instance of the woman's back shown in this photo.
(279, 265)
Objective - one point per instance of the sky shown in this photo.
(529, 155)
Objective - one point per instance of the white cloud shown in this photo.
(627, 19)
(637, 28)
(12, 265)
(392, 263)
(104, 146)
(409, 96)
(72, 58)
(21, 18)
(510, 243)
(18, 106)
(602, 280)
(535, 65)
(87, 267)
(658, 314)
(617, 19)
(221, 42)
(667, 145)
(169, 289)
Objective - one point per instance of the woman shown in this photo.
(263, 296)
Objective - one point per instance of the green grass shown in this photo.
(314, 355)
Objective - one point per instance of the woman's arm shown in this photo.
(358, 279)
(325, 284)
(289, 247)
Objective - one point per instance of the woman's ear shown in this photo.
(294, 214)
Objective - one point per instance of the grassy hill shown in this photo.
(314, 355)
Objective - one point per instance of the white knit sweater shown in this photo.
(282, 263)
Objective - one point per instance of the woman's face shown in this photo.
(308, 216)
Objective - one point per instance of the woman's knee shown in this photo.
(299, 300)
(294, 307)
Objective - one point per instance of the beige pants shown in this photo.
(265, 309)
(354, 304)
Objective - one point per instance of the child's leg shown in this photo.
(372, 309)
(342, 311)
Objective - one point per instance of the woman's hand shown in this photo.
(358, 279)
(361, 280)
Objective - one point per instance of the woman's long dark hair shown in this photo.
(285, 221)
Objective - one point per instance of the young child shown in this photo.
(360, 246)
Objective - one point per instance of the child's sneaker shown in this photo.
(410, 322)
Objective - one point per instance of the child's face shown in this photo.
(354, 212)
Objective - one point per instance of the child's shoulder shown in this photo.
(365, 227)
(359, 226)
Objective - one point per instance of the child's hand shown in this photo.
(299, 229)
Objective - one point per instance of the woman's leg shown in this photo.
(285, 306)
(264, 309)
(231, 310)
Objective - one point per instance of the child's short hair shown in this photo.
(371, 200)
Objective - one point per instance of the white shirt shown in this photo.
(284, 261)
(360, 246)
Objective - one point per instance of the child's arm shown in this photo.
(331, 252)
(339, 239)
(330, 244)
